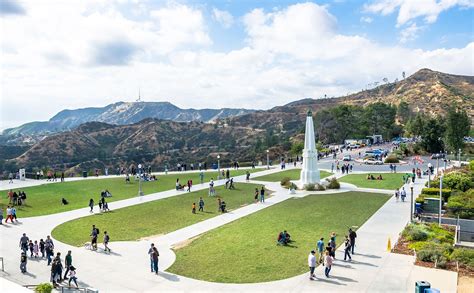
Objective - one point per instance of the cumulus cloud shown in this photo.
(116, 52)
(11, 7)
(410, 9)
(410, 33)
(289, 53)
(366, 19)
(223, 17)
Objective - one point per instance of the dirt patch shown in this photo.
(150, 237)
(465, 284)
(184, 243)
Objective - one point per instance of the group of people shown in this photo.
(16, 198)
(393, 168)
(188, 185)
(260, 193)
(103, 204)
(94, 235)
(46, 248)
(327, 254)
(371, 177)
(10, 215)
(400, 194)
(345, 168)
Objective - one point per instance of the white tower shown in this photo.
(310, 171)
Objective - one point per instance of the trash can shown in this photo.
(421, 286)
(418, 208)
(84, 174)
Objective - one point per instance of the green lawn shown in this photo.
(46, 199)
(153, 218)
(245, 251)
(390, 180)
(293, 174)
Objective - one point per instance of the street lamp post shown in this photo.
(440, 198)
(140, 191)
(268, 159)
(437, 165)
(429, 174)
(218, 167)
(411, 201)
(459, 157)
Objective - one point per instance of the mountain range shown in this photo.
(234, 134)
(120, 113)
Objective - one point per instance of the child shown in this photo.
(31, 246)
(23, 261)
(36, 249)
(41, 247)
(194, 207)
(106, 242)
(72, 276)
(328, 261)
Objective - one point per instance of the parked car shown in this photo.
(372, 161)
(438, 156)
(347, 158)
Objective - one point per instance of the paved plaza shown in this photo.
(126, 269)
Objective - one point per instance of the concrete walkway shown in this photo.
(126, 269)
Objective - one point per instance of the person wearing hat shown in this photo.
(312, 264)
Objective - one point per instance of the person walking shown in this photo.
(41, 247)
(312, 265)
(24, 240)
(201, 175)
(262, 194)
(320, 247)
(91, 205)
(150, 251)
(328, 264)
(201, 204)
(72, 276)
(256, 195)
(94, 234)
(154, 257)
(397, 194)
(68, 264)
(36, 249)
(403, 194)
(352, 238)
(23, 262)
(106, 242)
(194, 208)
(49, 248)
(347, 248)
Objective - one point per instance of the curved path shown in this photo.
(126, 269)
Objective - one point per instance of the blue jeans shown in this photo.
(262, 198)
(347, 254)
(327, 269)
(155, 266)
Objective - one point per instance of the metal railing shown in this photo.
(79, 289)
(3, 268)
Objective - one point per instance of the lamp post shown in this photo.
(459, 154)
(440, 198)
(411, 201)
(268, 159)
(140, 192)
(429, 175)
(218, 167)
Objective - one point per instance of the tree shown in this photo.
(432, 135)
(297, 148)
(403, 112)
(416, 125)
(458, 125)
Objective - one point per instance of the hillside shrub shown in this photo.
(314, 187)
(434, 192)
(462, 204)
(391, 159)
(44, 288)
(333, 183)
(471, 165)
(285, 181)
(464, 256)
(414, 232)
(433, 251)
(455, 180)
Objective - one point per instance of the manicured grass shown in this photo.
(390, 180)
(46, 199)
(293, 174)
(153, 218)
(245, 251)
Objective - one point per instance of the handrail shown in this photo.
(1, 259)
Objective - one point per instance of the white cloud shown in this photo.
(410, 33)
(289, 53)
(223, 17)
(411, 9)
(366, 19)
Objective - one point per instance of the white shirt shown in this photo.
(311, 260)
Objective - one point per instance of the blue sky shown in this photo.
(208, 54)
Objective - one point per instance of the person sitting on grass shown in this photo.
(178, 185)
(368, 176)
(379, 177)
(64, 201)
(127, 178)
(284, 238)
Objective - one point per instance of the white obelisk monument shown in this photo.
(310, 171)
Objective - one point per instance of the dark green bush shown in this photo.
(415, 232)
(432, 251)
(455, 180)
(462, 204)
(434, 192)
(392, 159)
(333, 183)
(285, 181)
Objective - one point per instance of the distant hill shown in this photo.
(120, 113)
(234, 135)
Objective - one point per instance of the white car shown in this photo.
(347, 158)
(373, 161)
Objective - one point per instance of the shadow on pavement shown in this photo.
(169, 277)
